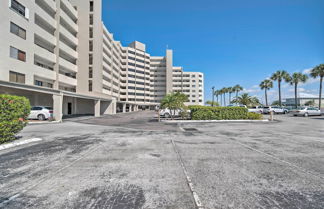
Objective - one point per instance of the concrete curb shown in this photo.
(215, 121)
(44, 122)
(18, 143)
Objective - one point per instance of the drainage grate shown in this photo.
(190, 129)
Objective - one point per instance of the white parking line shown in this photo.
(18, 143)
(188, 179)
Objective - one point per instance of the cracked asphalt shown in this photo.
(128, 161)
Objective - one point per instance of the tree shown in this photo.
(174, 101)
(275, 103)
(310, 103)
(213, 104)
(230, 91)
(279, 76)
(237, 88)
(217, 94)
(295, 79)
(246, 99)
(266, 85)
(318, 71)
(224, 91)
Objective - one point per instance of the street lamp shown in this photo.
(213, 94)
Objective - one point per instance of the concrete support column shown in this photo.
(58, 107)
(97, 108)
(124, 108)
(130, 108)
(112, 107)
(136, 107)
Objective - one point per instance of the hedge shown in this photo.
(14, 111)
(222, 113)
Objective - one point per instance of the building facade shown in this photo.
(59, 53)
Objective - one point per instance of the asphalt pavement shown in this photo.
(132, 161)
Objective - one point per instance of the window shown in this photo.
(16, 77)
(15, 29)
(90, 72)
(91, 6)
(38, 83)
(90, 85)
(17, 54)
(19, 8)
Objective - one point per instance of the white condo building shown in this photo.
(59, 53)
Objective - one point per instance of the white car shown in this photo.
(167, 112)
(307, 111)
(256, 109)
(275, 109)
(41, 113)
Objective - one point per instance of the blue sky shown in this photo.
(231, 41)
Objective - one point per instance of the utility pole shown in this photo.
(213, 95)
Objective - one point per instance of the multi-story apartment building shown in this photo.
(59, 53)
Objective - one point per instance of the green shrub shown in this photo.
(14, 111)
(221, 113)
(254, 116)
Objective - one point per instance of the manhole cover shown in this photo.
(190, 129)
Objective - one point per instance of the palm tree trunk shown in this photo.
(236, 96)
(224, 99)
(279, 87)
(296, 105)
(320, 93)
(266, 96)
(229, 99)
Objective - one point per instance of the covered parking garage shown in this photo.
(64, 103)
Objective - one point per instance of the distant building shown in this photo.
(302, 100)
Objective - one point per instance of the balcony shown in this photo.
(45, 35)
(68, 50)
(45, 54)
(51, 5)
(44, 73)
(104, 82)
(67, 65)
(68, 21)
(67, 80)
(69, 36)
(45, 16)
(71, 9)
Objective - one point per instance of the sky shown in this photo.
(230, 41)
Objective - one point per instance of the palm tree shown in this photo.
(224, 91)
(246, 99)
(213, 104)
(318, 71)
(295, 79)
(279, 76)
(217, 93)
(266, 85)
(174, 101)
(237, 88)
(230, 91)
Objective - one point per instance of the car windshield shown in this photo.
(49, 108)
(266, 107)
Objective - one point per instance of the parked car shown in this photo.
(167, 112)
(235, 105)
(256, 109)
(275, 109)
(41, 113)
(307, 111)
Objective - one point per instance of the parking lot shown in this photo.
(132, 161)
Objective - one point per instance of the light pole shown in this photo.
(213, 94)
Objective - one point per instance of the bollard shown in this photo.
(271, 115)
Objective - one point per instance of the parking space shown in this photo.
(129, 161)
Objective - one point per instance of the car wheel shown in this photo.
(285, 112)
(167, 115)
(306, 114)
(41, 117)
